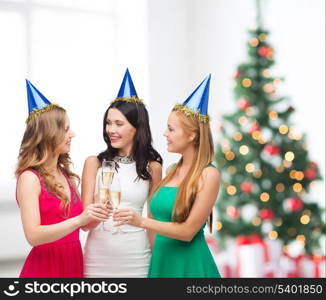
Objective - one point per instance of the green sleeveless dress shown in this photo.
(173, 258)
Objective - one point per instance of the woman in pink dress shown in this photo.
(50, 207)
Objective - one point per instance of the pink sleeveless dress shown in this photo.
(62, 258)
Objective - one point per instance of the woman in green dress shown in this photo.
(183, 201)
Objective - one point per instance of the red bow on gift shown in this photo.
(254, 239)
(250, 240)
(316, 259)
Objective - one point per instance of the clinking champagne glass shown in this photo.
(115, 193)
(107, 173)
(104, 196)
(104, 183)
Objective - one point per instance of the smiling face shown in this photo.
(64, 147)
(178, 139)
(121, 133)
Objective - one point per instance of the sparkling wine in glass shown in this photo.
(107, 173)
(115, 198)
(104, 183)
(104, 195)
(115, 193)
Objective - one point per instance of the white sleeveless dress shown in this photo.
(125, 254)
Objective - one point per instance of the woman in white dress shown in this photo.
(126, 253)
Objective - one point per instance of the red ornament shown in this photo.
(310, 174)
(263, 51)
(246, 187)
(254, 127)
(233, 212)
(237, 74)
(243, 103)
(293, 204)
(266, 214)
(313, 165)
(272, 150)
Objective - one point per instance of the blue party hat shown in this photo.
(197, 103)
(127, 91)
(37, 103)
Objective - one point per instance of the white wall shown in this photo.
(170, 64)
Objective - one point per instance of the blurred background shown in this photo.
(76, 52)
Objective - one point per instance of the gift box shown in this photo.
(222, 259)
(272, 267)
(262, 258)
(304, 266)
(312, 266)
(289, 266)
(251, 256)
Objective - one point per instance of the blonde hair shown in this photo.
(188, 188)
(42, 136)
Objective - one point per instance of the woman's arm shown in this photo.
(91, 166)
(156, 173)
(28, 192)
(201, 209)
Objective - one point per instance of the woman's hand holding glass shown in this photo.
(93, 212)
(128, 216)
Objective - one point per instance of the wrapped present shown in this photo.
(224, 264)
(287, 267)
(211, 244)
(222, 258)
(312, 266)
(291, 266)
(275, 249)
(272, 267)
(251, 255)
(305, 266)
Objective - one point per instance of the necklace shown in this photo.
(123, 159)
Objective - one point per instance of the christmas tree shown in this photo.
(264, 162)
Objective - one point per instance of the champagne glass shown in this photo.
(107, 173)
(115, 194)
(104, 195)
(104, 183)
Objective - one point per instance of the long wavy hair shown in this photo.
(43, 134)
(142, 150)
(203, 143)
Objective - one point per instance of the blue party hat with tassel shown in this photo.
(197, 103)
(127, 91)
(37, 102)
